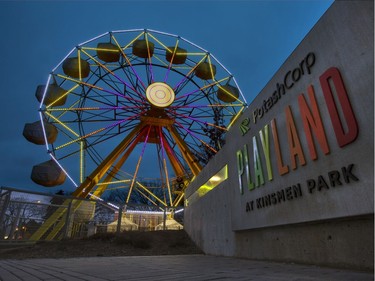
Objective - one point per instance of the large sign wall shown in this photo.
(303, 151)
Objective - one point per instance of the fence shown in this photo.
(26, 215)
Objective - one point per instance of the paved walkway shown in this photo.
(190, 267)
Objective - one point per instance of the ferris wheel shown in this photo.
(138, 110)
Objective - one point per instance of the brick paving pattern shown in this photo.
(182, 267)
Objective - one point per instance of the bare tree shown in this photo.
(18, 215)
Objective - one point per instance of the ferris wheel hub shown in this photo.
(160, 94)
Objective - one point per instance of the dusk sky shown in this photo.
(251, 39)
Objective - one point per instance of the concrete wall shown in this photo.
(280, 201)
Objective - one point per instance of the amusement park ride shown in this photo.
(140, 110)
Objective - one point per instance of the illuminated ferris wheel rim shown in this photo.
(181, 101)
(158, 95)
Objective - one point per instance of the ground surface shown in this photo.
(169, 242)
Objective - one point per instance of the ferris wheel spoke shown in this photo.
(170, 63)
(193, 144)
(193, 97)
(204, 87)
(62, 124)
(186, 77)
(96, 99)
(91, 134)
(208, 106)
(62, 96)
(192, 134)
(58, 117)
(106, 129)
(129, 95)
(134, 81)
(111, 72)
(91, 86)
(91, 117)
(110, 82)
(127, 59)
(182, 86)
(105, 113)
(92, 108)
(148, 74)
(204, 113)
(149, 59)
(99, 139)
(116, 94)
(183, 131)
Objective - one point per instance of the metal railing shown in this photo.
(31, 216)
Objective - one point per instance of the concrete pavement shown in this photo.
(189, 267)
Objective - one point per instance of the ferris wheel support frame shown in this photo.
(85, 187)
(91, 181)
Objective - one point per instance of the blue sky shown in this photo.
(250, 38)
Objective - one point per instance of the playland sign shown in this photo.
(296, 157)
